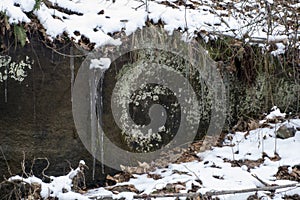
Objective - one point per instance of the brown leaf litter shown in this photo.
(288, 173)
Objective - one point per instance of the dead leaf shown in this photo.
(154, 176)
(123, 188)
(285, 173)
(253, 124)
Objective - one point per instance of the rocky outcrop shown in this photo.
(36, 118)
(36, 115)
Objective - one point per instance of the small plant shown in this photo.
(20, 35)
(37, 5)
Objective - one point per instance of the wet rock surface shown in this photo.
(37, 118)
(36, 121)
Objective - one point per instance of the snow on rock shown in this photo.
(275, 113)
(102, 63)
(95, 19)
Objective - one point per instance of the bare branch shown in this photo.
(268, 188)
(260, 180)
(23, 165)
(207, 194)
(8, 168)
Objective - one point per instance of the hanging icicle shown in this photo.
(99, 66)
(93, 118)
(72, 69)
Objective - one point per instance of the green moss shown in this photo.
(20, 34)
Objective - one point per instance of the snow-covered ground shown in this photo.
(246, 160)
(253, 21)
(216, 172)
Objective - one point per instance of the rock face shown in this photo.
(36, 121)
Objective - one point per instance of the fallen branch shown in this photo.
(207, 195)
(268, 188)
(216, 193)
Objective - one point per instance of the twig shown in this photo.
(70, 165)
(260, 180)
(48, 164)
(8, 168)
(43, 172)
(63, 54)
(23, 165)
(139, 6)
(193, 173)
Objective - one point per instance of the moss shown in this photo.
(156, 94)
(255, 81)
(20, 34)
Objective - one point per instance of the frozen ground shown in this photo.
(217, 170)
(251, 159)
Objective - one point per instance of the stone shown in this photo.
(285, 132)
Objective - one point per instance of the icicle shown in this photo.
(72, 70)
(93, 118)
(34, 96)
(100, 119)
(5, 91)
(101, 64)
(5, 85)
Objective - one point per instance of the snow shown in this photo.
(85, 17)
(71, 196)
(15, 14)
(82, 162)
(212, 173)
(26, 5)
(102, 63)
(94, 19)
(243, 146)
(59, 187)
(275, 114)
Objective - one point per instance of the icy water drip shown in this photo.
(93, 117)
(72, 70)
(96, 75)
(100, 113)
(5, 91)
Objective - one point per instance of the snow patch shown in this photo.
(102, 63)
